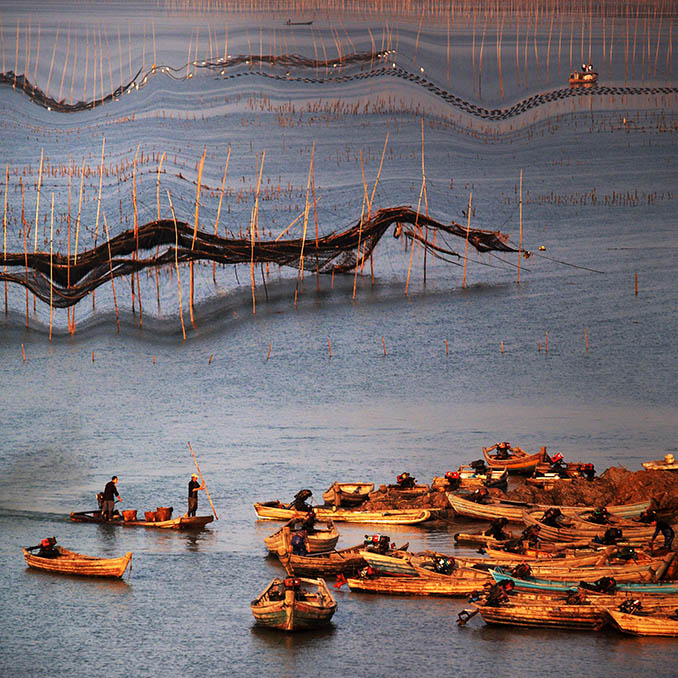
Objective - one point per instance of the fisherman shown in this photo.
(531, 535)
(193, 487)
(503, 450)
(110, 493)
(496, 529)
(47, 548)
(299, 503)
(552, 517)
(663, 526)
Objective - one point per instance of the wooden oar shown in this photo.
(203, 481)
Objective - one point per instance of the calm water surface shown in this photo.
(83, 408)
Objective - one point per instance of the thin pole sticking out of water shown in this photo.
(520, 237)
(221, 196)
(4, 228)
(51, 268)
(468, 230)
(195, 228)
(110, 263)
(176, 263)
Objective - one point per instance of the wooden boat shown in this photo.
(275, 510)
(583, 78)
(551, 585)
(668, 463)
(289, 22)
(575, 528)
(471, 478)
(478, 539)
(287, 605)
(547, 480)
(644, 625)
(553, 615)
(347, 494)
(344, 561)
(318, 541)
(423, 566)
(416, 586)
(517, 461)
(513, 511)
(180, 523)
(78, 564)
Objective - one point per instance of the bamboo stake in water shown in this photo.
(221, 197)
(468, 230)
(586, 340)
(202, 481)
(4, 229)
(195, 230)
(110, 263)
(520, 238)
(176, 263)
(51, 268)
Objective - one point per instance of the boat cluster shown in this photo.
(571, 567)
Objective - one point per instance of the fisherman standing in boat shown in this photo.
(193, 487)
(110, 492)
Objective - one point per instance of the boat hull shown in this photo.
(639, 625)
(274, 511)
(79, 565)
(320, 541)
(180, 523)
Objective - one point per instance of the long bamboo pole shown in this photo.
(4, 228)
(202, 481)
(110, 263)
(51, 268)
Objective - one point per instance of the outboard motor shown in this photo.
(405, 481)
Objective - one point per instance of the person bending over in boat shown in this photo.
(193, 487)
(110, 493)
(497, 531)
(47, 548)
(299, 502)
(553, 517)
(481, 496)
(663, 526)
(600, 516)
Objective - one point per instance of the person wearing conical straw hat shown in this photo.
(193, 487)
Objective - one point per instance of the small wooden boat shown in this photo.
(345, 561)
(575, 528)
(514, 459)
(551, 585)
(513, 511)
(416, 586)
(180, 523)
(547, 480)
(78, 564)
(547, 615)
(644, 625)
(471, 478)
(347, 494)
(318, 541)
(289, 22)
(289, 606)
(583, 78)
(478, 539)
(275, 510)
(668, 463)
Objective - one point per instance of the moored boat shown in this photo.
(668, 463)
(344, 561)
(551, 585)
(179, 523)
(514, 459)
(275, 510)
(78, 564)
(513, 511)
(347, 494)
(583, 77)
(415, 586)
(316, 541)
(290, 606)
(545, 615)
(644, 624)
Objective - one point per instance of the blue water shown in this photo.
(84, 407)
